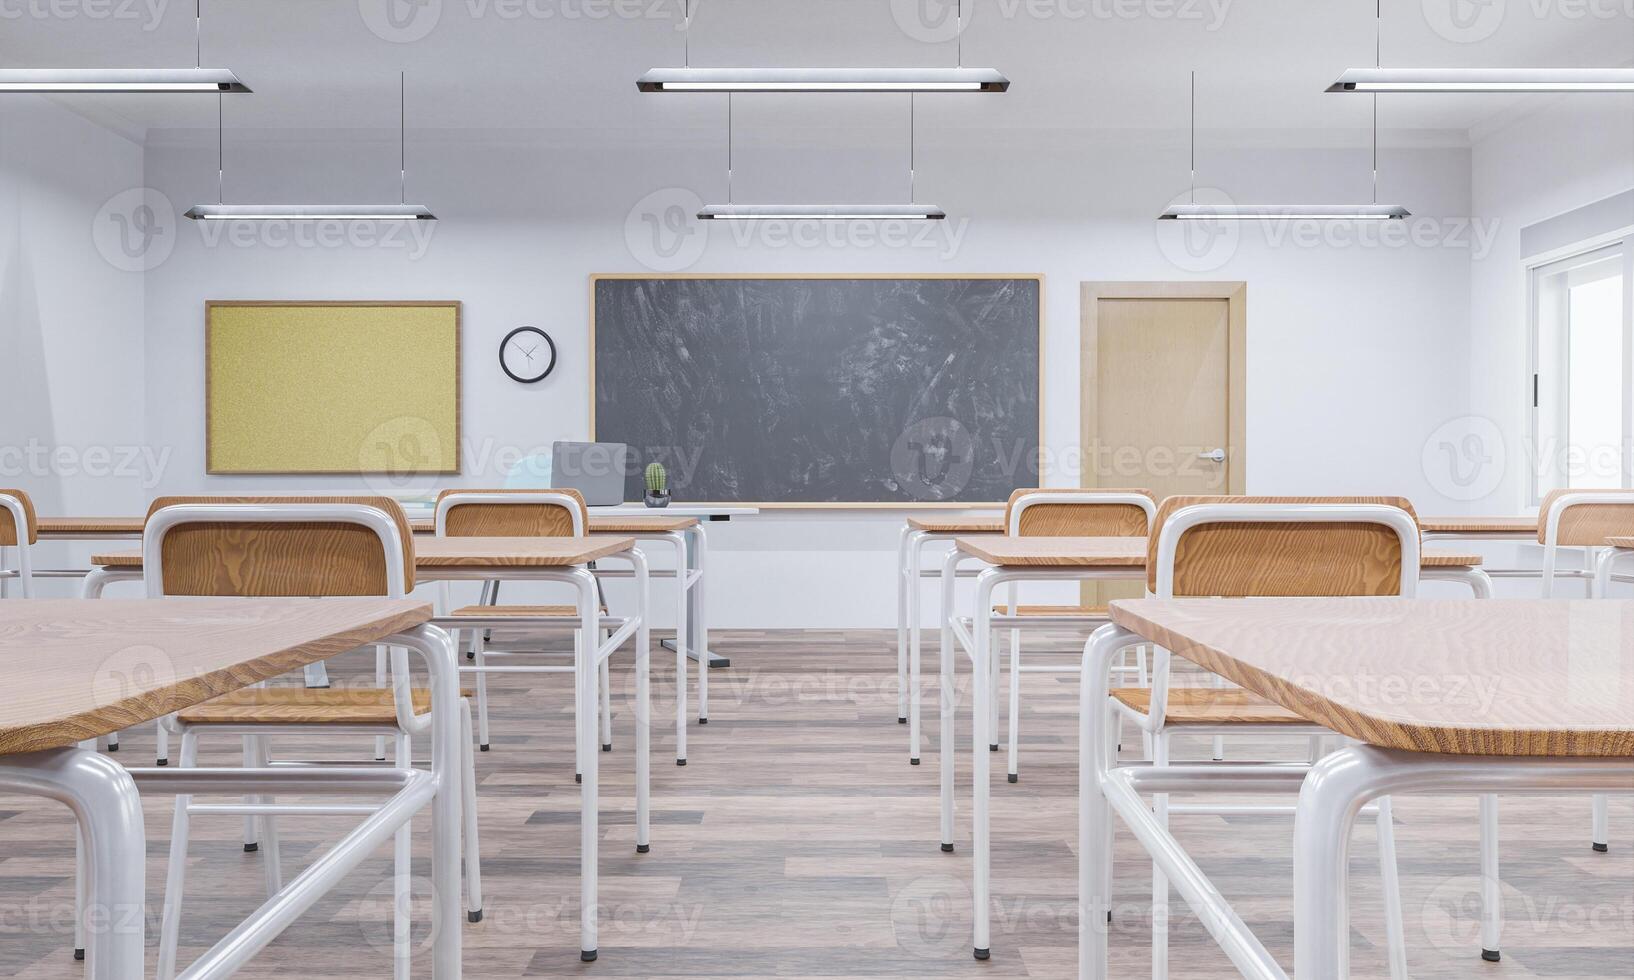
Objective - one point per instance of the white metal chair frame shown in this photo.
(257, 755)
(1087, 498)
(24, 573)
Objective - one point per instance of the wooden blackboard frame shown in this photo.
(1037, 277)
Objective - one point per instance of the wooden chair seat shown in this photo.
(1099, 612)
(519, 611)
(1210, 706)
(304, 706)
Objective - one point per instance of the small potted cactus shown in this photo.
(657, 485)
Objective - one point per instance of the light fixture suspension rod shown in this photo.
(729, 148)
(198, 32)
(221, 155)
(1375, 148)
(1194, 136)
(686, 33)
(402, 137)
(910, 149)
(1378, 62)
(959, 35)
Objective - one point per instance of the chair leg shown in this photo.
(1160, 881)
(1015, 704)
(271, 866)
(477, 651)
(1395, 936)
(681, 666)
(161, 741)
(993, 693)
(380, 681)
(252, 836)
(1492, 909)
(1601, 828)
(81, 873)
(468, 794)
(176, 871)
(606, 707)
(579, 707)
(402, 877)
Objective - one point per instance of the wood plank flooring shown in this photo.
(798, 842)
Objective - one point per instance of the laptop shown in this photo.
(595, 469)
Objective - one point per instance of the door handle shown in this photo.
(1217, 456)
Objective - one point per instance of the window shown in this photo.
(1583, 370)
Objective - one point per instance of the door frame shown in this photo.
(1235, 295)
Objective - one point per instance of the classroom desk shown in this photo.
(82, 669)
(1398, 676)
(916, 533)
(1012, 559)
(561, 560)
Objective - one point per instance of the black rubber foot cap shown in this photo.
(1109, 915)
(113, 746)
(474, 916)
(703, 721)
(482, 748)
(1012, 777)
(902, 721)
(79, 954)
(913, 762)
(993, 748)
(161, 762)
(1490, 955)
(982, 954)
(470, 656)
(1602, 848)
(680, 762)
(607, 746)
(251, 848)
(578, 777)
(643, 848)
(947, 848)
(587, 955)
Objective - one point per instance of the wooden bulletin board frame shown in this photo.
(404, 402)
(889, 505)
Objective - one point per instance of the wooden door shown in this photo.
(1162, 396)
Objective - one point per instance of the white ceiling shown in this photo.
(568, 64)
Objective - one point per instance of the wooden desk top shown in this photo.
(1620, 542)
(1499, 677)
(81, 668)
(611, 524)
(1478, 525)
(118, 527)
(435, 552)
(965, 525)
(1051, 552)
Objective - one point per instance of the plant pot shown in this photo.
(657, 499)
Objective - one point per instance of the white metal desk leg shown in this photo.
(108, 812)
(1491, 892)
(468, 815)
(682, 573)
(1395, 934)
(946, 750)
(1602, 825)
(446, 762)
(915, 631)
(981, 762)
(698, 644)
(1330, 799)
(902, 586)
(587, 675)
(643, 704)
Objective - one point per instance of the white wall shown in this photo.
(71, 317)
(527, 217)
(1573, 152)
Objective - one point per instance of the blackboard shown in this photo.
(821, 390)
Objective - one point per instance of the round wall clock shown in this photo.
(527, 354)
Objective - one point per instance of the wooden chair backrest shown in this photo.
(1588, 524)
(264, 558)
(523, 519)
(1076, 518)
(1306, 558)
(8, 523)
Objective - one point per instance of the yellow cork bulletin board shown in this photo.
(332, 387)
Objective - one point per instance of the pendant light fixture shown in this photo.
(820, 212)
(401, 211)
(62, 81)
(1193, 211)
(689, 79)
(1381, 79)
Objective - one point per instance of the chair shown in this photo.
(519, 513)
(1585, 519)
(1063, 513)
(1265, 546)
(18, 530)
(307, 546)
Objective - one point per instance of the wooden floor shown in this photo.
(798, 842)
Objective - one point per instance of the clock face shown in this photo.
(527, 354)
